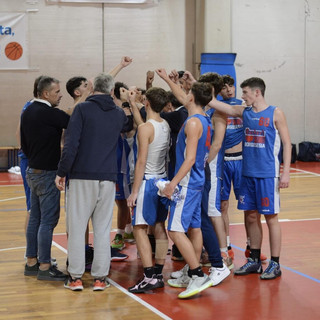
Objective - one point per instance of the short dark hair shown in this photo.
(253, 83)
(202, 92)
(174, 101)
(35, 86)
(117, 87)
(214, 79)
(158, 98)
(73, 84)
(45, 84)
(227, 79)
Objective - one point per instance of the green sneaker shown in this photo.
(128, 237)
(118, 242)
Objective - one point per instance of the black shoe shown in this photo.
(118, 256)
(52, 274)
(31, 271)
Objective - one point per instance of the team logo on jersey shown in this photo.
(242, 199)
(234, 123)
(255, 138)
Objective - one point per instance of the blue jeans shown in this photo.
(44, 216)
(23, 168)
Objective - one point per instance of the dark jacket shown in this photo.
(91, 139)
(41, 130)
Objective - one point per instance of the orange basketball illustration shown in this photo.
(13, 50)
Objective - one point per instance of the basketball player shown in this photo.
(264, 126)
(153, 146)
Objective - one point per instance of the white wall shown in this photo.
(275, 40)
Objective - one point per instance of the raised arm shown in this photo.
(281, 125)
(134, 107)
(175, 88)
(230, 110)
(219, 121)
(149, 79)
(125, 61)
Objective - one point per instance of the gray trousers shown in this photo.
(89, 199)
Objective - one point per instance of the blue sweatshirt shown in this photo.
(90, 149)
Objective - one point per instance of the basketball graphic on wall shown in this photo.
(13, 50)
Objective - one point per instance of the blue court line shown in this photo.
(287, 268)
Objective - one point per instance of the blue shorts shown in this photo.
(150, 208)
(186, 213)
(231, 174)
(123, 187)
(261, 194)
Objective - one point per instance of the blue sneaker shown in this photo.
(273, 271)
(250, 267)
(118, 256)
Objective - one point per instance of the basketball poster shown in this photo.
(13, 43)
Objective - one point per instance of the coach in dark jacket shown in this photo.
(89, 157)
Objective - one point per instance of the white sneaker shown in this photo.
(196, 285)
(218, 274)
(181, 282)
(180, 273)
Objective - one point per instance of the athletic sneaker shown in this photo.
(181, 282)
(250, 267)
(73, 284)
(175, 254)
(52, 274)
(263, 257)
(89, 253)
(118, 242)
(117, 256)
(196, 285)
(31, 270)
(100, 284)
(218, 274)
(227, 260)
(273, 271)
(145, 284)
(128, 237)
(160, 280)
(230, 253)
(180, 273)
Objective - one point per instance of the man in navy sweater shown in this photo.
(89, 156)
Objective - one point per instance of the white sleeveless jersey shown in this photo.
(158, 148)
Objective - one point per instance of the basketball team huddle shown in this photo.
(169, 159)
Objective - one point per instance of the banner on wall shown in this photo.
(13, 41)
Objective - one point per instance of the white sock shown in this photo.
(128, 228)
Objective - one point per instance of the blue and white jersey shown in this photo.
(20, 153)
(234, 131)
(195, 178)
(261, 144)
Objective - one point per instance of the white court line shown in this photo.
(304, 171)
(147, 305)
(134, 297)
(9, 199)
(8, 249)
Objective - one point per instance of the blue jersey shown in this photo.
(234, 131)
(196, 177)
(261, 144)
(123, 151)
